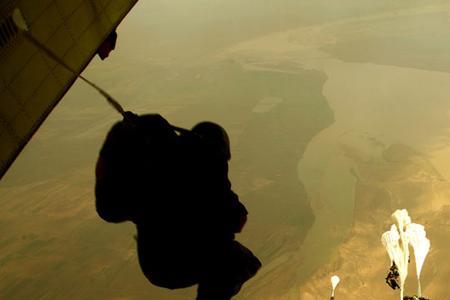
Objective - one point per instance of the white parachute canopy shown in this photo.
(397, 241)
(421, 246)
(403, 220)
(334, 282)
(390, 242)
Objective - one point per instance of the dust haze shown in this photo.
(338, 114)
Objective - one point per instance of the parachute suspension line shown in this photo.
(114, 103)
(21, 24)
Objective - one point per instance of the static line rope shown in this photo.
(21, 24)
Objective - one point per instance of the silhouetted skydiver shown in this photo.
(180, 198)
(393, 277)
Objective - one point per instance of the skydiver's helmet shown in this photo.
(214, 136)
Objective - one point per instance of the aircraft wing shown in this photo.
(31, 83)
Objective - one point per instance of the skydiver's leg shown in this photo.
(227, 272)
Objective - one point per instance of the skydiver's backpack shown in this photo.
(136, 168)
